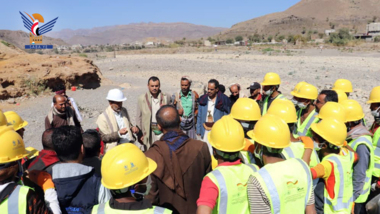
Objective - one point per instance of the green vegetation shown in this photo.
(34, 86)
(376, 39)
(239, 38)
(5, 43)
(230, 41)
(341, 38)
(82, 55)
(255, 38)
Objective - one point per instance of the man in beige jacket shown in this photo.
(147, 107)
(114, 123)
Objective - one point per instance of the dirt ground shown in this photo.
(131, 72)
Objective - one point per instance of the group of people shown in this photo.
(261, 153)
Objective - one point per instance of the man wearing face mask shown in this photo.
(271, 84)
(374, 100)
(304, 97)
(114, 123)
(247, 112)
(236, 93)
(126, 173)
(360, 139)
(335, 168)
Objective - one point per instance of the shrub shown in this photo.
(229, 41)
(376, 39)
(34, 86)
(82, 55)
(239, 38)
(341, 38)
(5, 43)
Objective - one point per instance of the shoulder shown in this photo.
(141, 97)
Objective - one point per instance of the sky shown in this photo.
(96, 13)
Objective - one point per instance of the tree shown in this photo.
(303, 30)
(270, 37)
(332, 25)
(239, 38)
(184, 38)
(230, 41)
(280, 38)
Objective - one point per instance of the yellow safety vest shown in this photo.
(17, 202)
(366, 140)
(304, 128)
(232, 185)
(266, 101)
(246, 156)
(296, 150)
(376, 146)
(343, 189)
(287, 184)
(106, 209)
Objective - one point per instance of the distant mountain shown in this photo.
(315, 15)
(135, 32)
(20, 38)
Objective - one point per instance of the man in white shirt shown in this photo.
(114, 123)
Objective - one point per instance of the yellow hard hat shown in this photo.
(354, 110)
(246, 109)
(271, 79)
(271, 131)
(227, 135)
(124, 166)
(298, 86)
(12, 145)
(343, 84)
(306, 91)
(333, 110)
(32, 152)
(333, 131)
(284, 109)
(3, 119)
(374, 97)
(15, 120)
(342, 96)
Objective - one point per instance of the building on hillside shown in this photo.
(329, 31)
(78, 46)
(220, 43)
(207, 43)
(150, 44)
(373, 29)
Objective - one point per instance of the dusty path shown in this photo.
(131, 72)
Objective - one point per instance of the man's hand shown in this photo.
(180, 111)
(123, 131)
(308, 142)
(42, 179)
(135, 129)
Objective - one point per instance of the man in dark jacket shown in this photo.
(77, 185)
(91, 144)
(47, 156)
(182, 162)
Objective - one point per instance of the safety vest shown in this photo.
(366, 140)
(105, 209)
(343, 189)
(232, 185)
(296, 150)
(376, 146)
(287, 184)
(246, 156)
(304, 128)
(266, 101)
(17, 202)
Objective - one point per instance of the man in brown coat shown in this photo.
(182, 162)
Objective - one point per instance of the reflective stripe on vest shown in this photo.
(105, 209)
(265, 106)
(222, 202)
(273, 192)
(309, 120)
(340, 204)
(376, 145)
(16, 203)
(367, 185)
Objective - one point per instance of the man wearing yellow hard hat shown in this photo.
(304, 97)
(285, 184)
(374, 101)
(224, 190)
(126, 173)
(14, 196)
(247, 112)
(16, 121)
(271, 84)
(360, 139)
(335, 167)
(343, 85)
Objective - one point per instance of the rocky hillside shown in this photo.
(135, 32)
(22, 73)
(315, 15)
(20, 38)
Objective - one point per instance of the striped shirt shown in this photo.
(258, 200)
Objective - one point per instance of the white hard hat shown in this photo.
(116, 95)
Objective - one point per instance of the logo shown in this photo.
(36, 31)
(130, 169)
